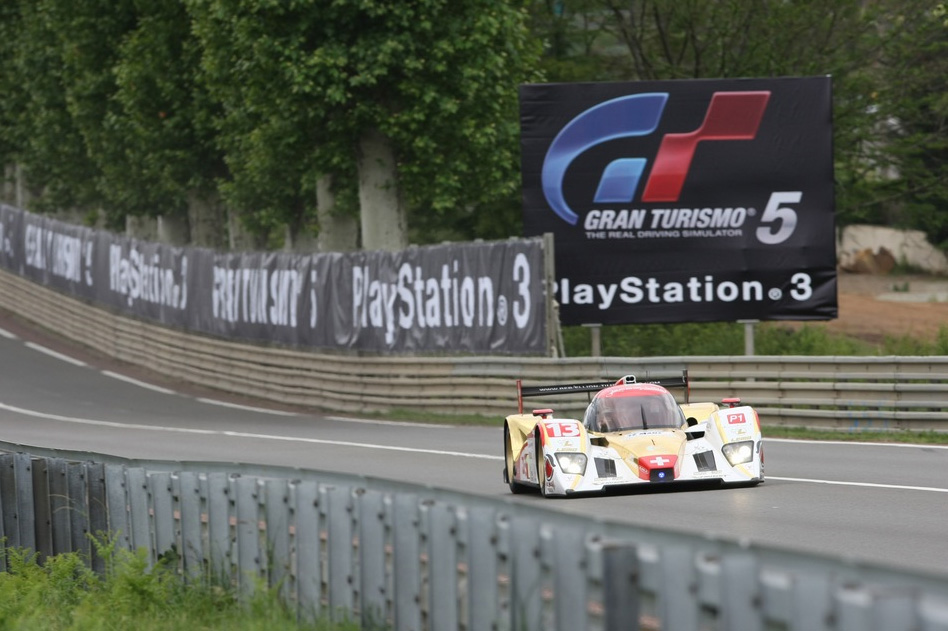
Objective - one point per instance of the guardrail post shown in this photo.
(407, 564)
(192, 543)
(525, 600)
(442, 553)
(8, 526)
(621, 587)
(337, 507)
(138, 512)
(98, 513)
(160, 492)
(372, 539)
(220, 508)
(43, 520)
(8, 529)
(249, 562)
(570, 592)
(480, 538)
(812, 604)
(59, 505)
(78, 509)
(277, 556)
(16, 482)
(740, 592)
(307, 529)
(117, 499)
(677, 567)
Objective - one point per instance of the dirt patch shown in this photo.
(872, 308)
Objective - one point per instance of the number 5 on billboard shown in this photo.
(785, 217)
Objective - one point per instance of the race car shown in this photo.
(631, 433)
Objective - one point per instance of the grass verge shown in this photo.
(63, 594)
(859, 435)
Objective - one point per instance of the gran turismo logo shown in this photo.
(730, 116)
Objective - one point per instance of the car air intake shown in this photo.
(605, 468)
(705, 461)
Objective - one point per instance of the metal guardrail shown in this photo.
(829, 391)
(401, 557)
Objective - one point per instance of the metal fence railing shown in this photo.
(840, 392)
(400, 557)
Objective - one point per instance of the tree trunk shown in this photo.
(208, 221)
(239, 239)
(337, 232)
(381, 209)
(173, 230)
(15, 191)
(141, 228)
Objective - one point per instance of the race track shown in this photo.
(884, 504)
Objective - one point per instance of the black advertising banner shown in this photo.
(684, 201)
(459, 297)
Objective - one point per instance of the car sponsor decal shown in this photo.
(562, 429)
(734, 418)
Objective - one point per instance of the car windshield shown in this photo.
(613, 414)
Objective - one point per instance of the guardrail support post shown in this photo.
(620, 586)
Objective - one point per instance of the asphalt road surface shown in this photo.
(884, 504)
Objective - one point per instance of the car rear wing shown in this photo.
(676, 381)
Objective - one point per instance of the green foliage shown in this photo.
(659, 340)
(160, 134)
(133, 106)
(43, 137)
(63, 594)
(807, 340)
(915, 105)
(301, 82)
(727, 338)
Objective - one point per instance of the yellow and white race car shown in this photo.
(631, 433)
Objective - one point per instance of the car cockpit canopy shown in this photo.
(636, 411)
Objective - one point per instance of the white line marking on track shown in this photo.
(136, 382)
(871, 485)
(7, 334)
(368, 421)
(210, 432)
(837, 443)
(346, 443)
(89, 421)
(248, 408)
(52, 353)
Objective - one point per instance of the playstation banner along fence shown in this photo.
(684, 201)
(459, 297)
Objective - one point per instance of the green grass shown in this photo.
(859, 435)
(63, 594)
(727, 338)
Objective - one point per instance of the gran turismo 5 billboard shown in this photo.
(684, 201)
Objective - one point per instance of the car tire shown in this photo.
(515, 487)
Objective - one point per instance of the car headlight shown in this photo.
(571, 462)
(739, 453)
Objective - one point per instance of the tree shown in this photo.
(42, 135)
(314, 88)
(913, 101)
(162, 157)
